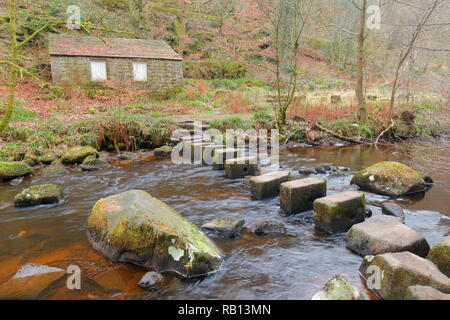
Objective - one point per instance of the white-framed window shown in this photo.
(139, 71)
(98, 71)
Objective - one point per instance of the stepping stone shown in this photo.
(338, 288)
(392, 209)
(389, 275)
(227, 227)
(268, 185)
(299, 195)
(222, 155)
(241, 167)
(440, 256)
(339, 212)
(197, 151)
(30, 282)
(425, 293)
(151, 281)
(383, 234)
(209, 151)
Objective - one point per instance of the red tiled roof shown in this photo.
(111, 47)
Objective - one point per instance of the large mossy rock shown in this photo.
(137, 228)
(398, 271)
(13, 170)
(391, 179)
(338, 288)
(78, 154)
(39, 194)
(440, 256)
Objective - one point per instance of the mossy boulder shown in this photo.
(391, 179)
(14, 169)
(39, 194)
(398, 271)
(134, 227)
(440, 256)
(46, 158)
(91, 163)
(78, 154)
(338, 288)
(54, 170)
(165, 151)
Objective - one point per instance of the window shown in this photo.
(140, 71)
(98, 70)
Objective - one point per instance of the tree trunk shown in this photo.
(11, 99)
(359, 90)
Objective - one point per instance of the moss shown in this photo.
(54, 170)
(78, 154)
(39, 194)
(146, 227)
(390, 178)
(440, 256)
(15, 169)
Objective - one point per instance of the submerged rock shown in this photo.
(392, 209)
(240, 167)
(91, 163)
(165, 151)
(115, 279)
(13, 170)
(137, 228)
(227, 227)
(440, 256)
(267, 227)
(54, 170)
(425, 293)
(151, 280)
(78, 154)
(337, 213)
(391, 179)
(338, 288)
(383, 234)
(30, 282)
(398, 271)
(39, 194)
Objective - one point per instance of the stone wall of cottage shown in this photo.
(161, 74)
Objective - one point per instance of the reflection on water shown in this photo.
(292, 266)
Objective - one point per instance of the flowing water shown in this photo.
(291, 266)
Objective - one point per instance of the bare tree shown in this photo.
(287, 21)
(408, 48)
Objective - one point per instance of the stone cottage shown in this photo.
(144, 64)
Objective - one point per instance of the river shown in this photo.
(291, 266)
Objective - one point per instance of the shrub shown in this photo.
(161, 131)
(215, 69)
